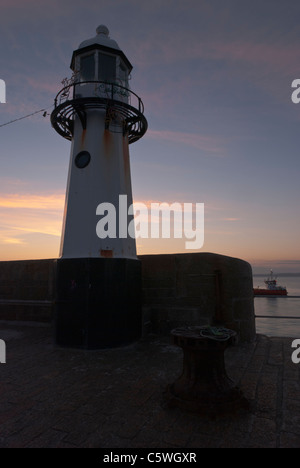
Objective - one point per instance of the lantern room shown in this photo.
(101, 72)
(101, 59)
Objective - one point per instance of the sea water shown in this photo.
(285, 306)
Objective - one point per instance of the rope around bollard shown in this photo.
(215, 333)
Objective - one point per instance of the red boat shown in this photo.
(272, 288)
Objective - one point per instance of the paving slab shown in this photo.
(53, 397)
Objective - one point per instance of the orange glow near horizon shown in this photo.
(30, 225)
(31, 229)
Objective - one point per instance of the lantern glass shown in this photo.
(87, 67)
(107, 68)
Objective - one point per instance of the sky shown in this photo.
(215, 78)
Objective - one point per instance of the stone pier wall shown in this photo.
(27, 290)
(198, 289)
(178, 289)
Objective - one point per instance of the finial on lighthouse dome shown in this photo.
(101, 38)
(102, 29)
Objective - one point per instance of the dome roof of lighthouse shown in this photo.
(102, 38)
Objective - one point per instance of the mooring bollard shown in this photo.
(203, 386)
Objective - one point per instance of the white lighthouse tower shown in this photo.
(98, 276)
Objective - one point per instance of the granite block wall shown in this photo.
(178, 290)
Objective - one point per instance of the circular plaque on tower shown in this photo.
(82, 159)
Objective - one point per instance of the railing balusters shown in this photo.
(67, 102)
(64, 93)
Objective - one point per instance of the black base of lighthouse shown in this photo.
(98, 302)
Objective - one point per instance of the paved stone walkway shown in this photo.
(53, 397)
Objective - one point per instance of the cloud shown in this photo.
(23, 214)
(33, 202)
(11, 240)
(188, 45)
(44, 85)
(200, 142)
(179, 66)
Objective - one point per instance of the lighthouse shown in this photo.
(98, 275)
